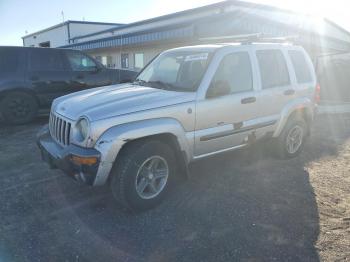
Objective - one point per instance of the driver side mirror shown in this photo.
(218, 88)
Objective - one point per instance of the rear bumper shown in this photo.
(61, 157)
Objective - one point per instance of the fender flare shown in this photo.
(111, 141)
(294, 106)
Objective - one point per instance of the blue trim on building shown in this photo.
(93, 23)
(215, 25)
(166, 17)
(161, 34)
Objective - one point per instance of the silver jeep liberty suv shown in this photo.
(187, 104)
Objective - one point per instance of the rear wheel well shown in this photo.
(302, 113)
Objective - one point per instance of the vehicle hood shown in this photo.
(110, 101)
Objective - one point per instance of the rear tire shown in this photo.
(18, 108)
(292, 139)
(142, 174)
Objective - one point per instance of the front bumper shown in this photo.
(61, 157)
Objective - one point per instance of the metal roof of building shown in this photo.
(70, 22)
(237, 16)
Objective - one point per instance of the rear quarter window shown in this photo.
(301, 68)
(9, 60)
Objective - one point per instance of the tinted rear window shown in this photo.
(9, 60)
(45, 60)
(302, 70)
(273, 68)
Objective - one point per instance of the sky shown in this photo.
(20, 16)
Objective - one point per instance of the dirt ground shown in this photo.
(241, 206)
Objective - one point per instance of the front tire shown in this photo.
(19, 108)
(292, 139)
(142, 174)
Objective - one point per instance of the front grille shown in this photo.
(59, 129)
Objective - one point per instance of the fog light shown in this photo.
(79, 160)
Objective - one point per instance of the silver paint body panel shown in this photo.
(203, 127)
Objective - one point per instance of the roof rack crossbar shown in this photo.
(253, 38)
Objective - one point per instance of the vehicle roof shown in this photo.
(214, 47)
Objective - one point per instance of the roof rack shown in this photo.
(253, 38)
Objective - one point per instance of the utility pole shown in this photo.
(62, 13)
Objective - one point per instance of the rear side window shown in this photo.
(80, 62)
(301, 68)
(9, 60)
(273, 68)
(45, 60)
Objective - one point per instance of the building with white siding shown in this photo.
(133, 45)
(62, 34)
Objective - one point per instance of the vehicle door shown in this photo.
(47, 74)
(86, 72)
(228, 113)
(276, 85)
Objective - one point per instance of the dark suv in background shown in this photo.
(30, 78)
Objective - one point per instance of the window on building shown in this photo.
(9, 60)
(302, 70)
(139, 60)
(273, 68)
(81, 62)
(45, 44)
(125, 60)
(45, 60)
(235, 71)
(104, 60)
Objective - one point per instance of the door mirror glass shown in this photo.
(218, 88)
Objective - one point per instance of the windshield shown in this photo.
(176, 71)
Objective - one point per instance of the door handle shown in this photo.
(289, 92)
(248, 100)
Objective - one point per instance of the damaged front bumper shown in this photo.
(79, 163)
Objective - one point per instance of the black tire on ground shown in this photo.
(292, 125)
(129, 162)
(18, 108)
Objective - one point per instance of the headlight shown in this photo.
(82, 129)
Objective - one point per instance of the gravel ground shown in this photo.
(245, 206)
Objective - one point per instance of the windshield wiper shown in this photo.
(161, 84)
(155, 84)
(139, 82)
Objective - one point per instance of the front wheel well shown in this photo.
(172, 142)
